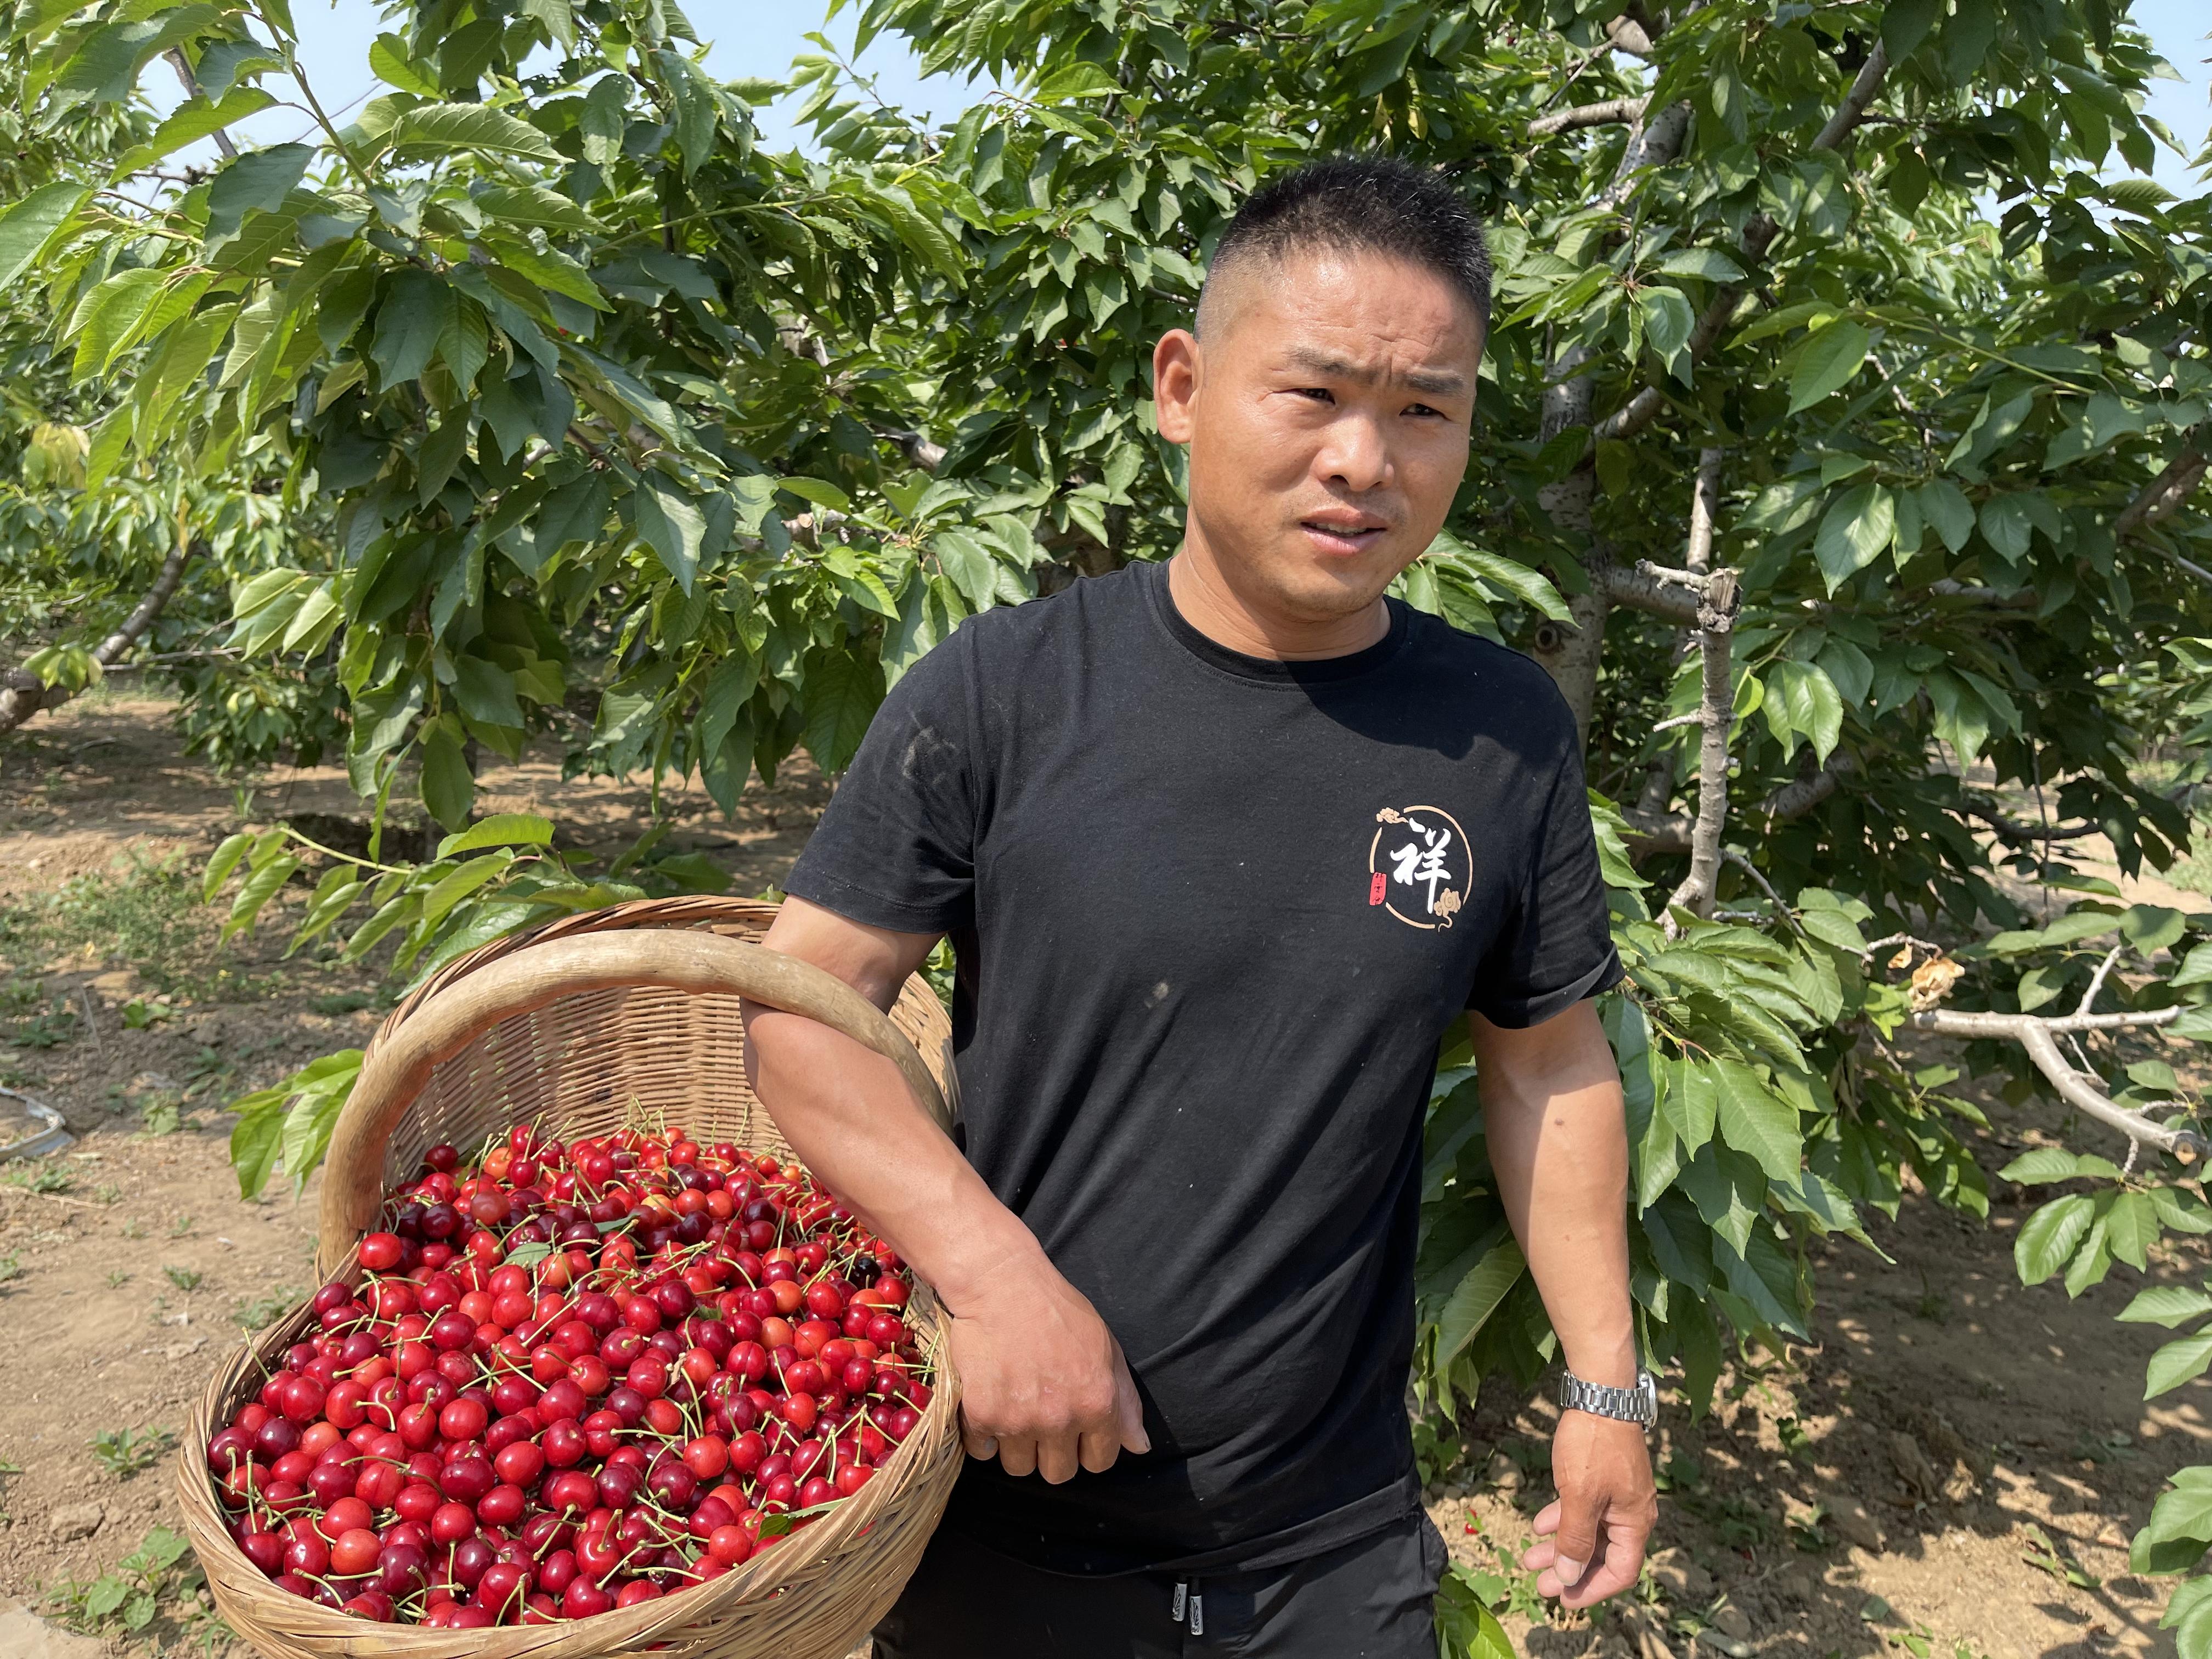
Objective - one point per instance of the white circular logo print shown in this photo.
(1418, 867)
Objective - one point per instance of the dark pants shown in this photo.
(1369, 1598)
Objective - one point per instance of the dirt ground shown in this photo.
(1953, 1468)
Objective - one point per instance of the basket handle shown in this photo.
(399, 1063)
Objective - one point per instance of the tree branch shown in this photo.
(1717, 611)
(2038, 1036)
(1640, 590)
(1640, 411)
(2164, 493)
(1650, 837)
(23, 694)
(175, 57)
(1613, 112)
(2018, 830)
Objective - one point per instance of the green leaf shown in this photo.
(1756, 1121)
(260, 179)
(1853, 532)
(417, 311)
(2181, 1520)
(440, 129)
(501, 830)
(2049, 1238)
(2165, 1304)
(1667, 320)
(672, 526)
(1475, 1298)
(192, 120)
(389, 62)
(1808, 699)
(2047, 1163)
(1709, 263)
(1906, 24)
(549, 268)
(31, 223)
(534, 205)
(234, 846)
(448, 787)
(1945, 505)
(969, 563)
(1077, 81)
(842, 691)
(1831, 357)
(2175, 1364)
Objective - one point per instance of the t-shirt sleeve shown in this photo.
(1556, 947)
(896, 848)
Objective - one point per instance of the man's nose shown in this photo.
(1355, 454)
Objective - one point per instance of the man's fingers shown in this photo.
(1128, 1410)
(1055, 1458)
(1576, 1541)
(1017, 1456)
(1609, 1577)
(1098, 1448)
(979, 1445)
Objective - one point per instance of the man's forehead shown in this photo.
(1355, 315)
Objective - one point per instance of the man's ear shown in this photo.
(1176, 378)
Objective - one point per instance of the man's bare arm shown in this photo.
(1552, 1110)
(1043, 1384)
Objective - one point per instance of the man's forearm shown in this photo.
(849, 1116)
(1559, 1149)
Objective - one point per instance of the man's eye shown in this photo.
(1424, 410)
(1318, 393)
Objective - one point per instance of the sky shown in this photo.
(761, 38)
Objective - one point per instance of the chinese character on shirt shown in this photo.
(1423, 862)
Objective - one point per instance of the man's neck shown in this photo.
(1211, 603)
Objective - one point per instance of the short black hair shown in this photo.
(1363, 205)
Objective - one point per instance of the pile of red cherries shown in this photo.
(582, 1376)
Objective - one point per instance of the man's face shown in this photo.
(1327, 416)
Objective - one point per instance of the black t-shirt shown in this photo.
(1212, 915)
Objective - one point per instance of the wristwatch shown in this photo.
(1638, 1405)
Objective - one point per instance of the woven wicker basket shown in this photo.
(565, 1028)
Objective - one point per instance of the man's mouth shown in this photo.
(1343, 534)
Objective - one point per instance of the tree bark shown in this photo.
(1717, 612)
(23, 694)
(2079, 1089)
(1613, 112)
(1571, 652)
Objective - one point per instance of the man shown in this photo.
(1224, 846)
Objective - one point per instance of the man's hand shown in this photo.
(1589, 1541)
(1043, 1386)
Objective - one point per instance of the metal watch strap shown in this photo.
(1638, 1405)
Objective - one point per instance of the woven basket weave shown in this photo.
(566, 1028)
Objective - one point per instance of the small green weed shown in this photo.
(107, 1192)
(51, 1029)
(134, 1228)
(11, 1267)
(41, 1178)
(158, 1570)
(184, 1279)
(182, 1225)
(257, 1313)
(162, 1115)
(125, 1452)
(2045, 1556)
(139, 1015)
(118, 1278)
(344, 1002)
